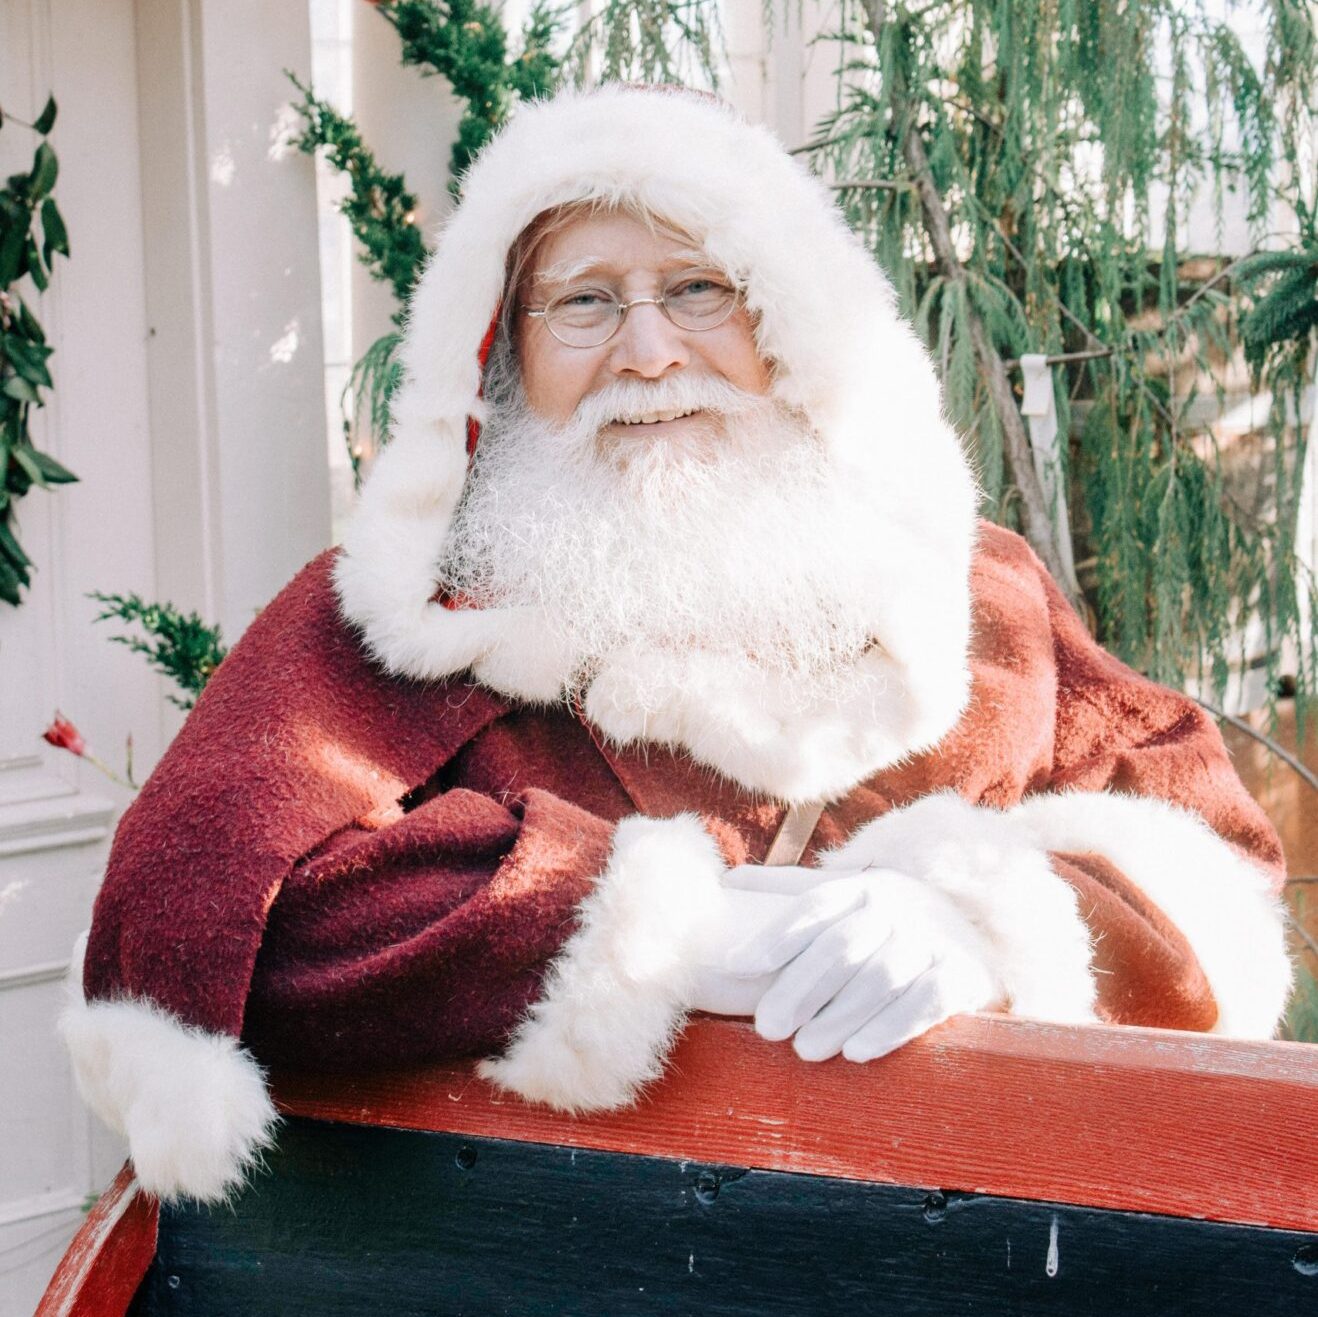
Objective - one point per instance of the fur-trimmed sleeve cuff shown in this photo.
(1220, 903)
(192, 1105)
(616, 996)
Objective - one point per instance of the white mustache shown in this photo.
(624, 399)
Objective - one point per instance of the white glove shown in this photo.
(742, 911)
(864, 962)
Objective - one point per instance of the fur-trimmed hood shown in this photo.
(826, 317)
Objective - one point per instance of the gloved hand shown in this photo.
(743, 911)
(862, 962)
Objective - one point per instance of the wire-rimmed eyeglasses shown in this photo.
(588, 316)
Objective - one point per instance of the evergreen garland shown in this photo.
(466, 42)
(379, 208)
(32, 233)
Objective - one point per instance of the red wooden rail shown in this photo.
(1128, 1119)
(1134, 1119)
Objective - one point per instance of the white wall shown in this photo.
(188, 399)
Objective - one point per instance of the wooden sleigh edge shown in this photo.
(107, 1258)
(1122, 1119)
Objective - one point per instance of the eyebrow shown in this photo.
(564, 272)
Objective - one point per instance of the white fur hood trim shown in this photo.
(193, 1106)
(842, 355)
(618, 992)
(1223, 904)
(1001, 880)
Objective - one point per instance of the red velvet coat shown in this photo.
(349, 869)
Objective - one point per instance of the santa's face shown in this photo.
(729, 531)
(619, 253)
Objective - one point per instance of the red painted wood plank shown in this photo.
(1132, 1119)
(105, 1263)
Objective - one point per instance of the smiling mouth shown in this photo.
(655, 417)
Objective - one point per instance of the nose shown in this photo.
(648, 345)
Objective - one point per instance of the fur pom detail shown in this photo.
(1222, 904)
(995, 873)
(618, 993)
(192, 1105)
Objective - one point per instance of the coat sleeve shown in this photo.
(1128, 877)
(280, 793)
(1177, 870)
(560, 946)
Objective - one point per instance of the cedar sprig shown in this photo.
(179, 645)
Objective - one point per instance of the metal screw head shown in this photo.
(707, 1186)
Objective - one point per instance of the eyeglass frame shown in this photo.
(541, 312)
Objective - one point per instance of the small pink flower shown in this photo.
(63, 735)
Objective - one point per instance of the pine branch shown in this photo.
(181, 646)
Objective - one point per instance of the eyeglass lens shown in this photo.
(586, 317)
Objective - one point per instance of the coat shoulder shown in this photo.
(1008, 583)
(1004, 550)
(301, 664)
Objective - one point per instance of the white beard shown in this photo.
(743, 541)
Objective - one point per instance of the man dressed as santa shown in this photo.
(664, 668)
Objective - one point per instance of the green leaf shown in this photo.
(9, 584)
(20, 390)
(42, 468)
(34, 266)
(46, 119)
(29, 324)
(28, 359)
(12, 247)
(26, 458)
(45, 170)
(9, 545)
(52, 227)
(54, 472)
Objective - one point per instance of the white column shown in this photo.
(233, 304)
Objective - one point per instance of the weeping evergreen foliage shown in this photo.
(650, 41)
(1067, 139)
